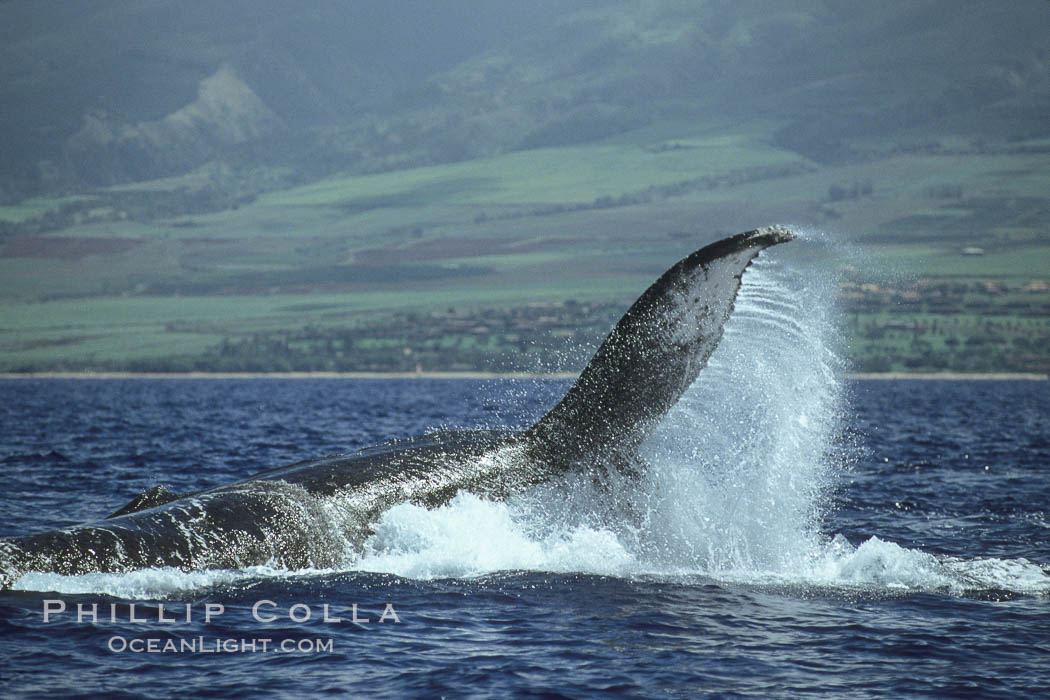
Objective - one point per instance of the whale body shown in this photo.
(319, 513)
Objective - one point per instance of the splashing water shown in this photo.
(741, 471)
(738, 467)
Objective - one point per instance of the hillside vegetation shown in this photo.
(496, 196)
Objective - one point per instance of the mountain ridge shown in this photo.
(348, 100)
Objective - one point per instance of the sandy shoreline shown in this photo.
(287, 375)
(1000, 376)
(967, 376)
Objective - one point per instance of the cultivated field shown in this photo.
(341, 265)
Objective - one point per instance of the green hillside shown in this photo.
(496, 207)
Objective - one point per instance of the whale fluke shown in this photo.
(655, 352)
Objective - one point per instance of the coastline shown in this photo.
(955, 376)
(289, 375)
(861, 376)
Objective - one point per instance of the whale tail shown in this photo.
(653, 354)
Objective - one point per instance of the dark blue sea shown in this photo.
(795, 534)
(929, 573)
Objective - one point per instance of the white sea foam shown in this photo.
(144, 584)
(877, 563)
(472, 536)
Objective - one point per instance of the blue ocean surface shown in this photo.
(794, 534)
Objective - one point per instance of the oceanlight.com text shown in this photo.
(218, 645)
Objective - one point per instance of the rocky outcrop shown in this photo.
(226, 113)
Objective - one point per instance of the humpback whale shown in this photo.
(319, 513)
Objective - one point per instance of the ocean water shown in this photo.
(795, 534)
